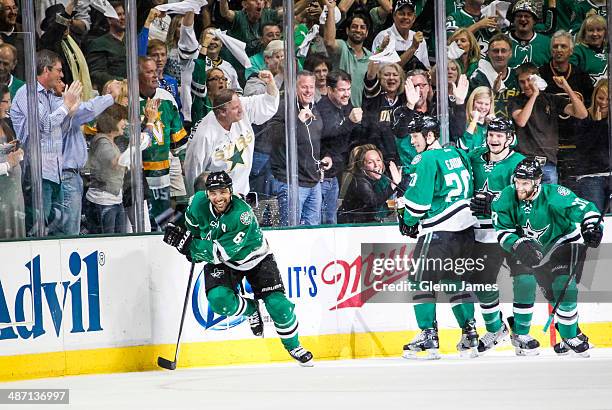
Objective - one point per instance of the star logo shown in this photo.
(236, 158)
(530, 232)
(485, 188)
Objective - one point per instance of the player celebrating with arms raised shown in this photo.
(537, 223)
(223, 231)
(437, 201)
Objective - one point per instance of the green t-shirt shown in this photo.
(356, 66)
(15, 85)
(249, 33)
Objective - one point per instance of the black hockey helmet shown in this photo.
(423, 123)
(529, 168)
(219, 179)
(500, 124)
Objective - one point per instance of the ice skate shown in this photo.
(577, 346)
(303, 356)
(492, 339)
(562, 349)
(256, 322)
(525, 345)
(426, 341)
(468, 345)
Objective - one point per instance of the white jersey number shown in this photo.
(459, 185)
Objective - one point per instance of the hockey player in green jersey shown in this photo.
(539, 225)
(436, 200)
(223, 232)
(492, 168)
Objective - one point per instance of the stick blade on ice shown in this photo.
(165, 363)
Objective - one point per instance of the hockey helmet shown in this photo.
(528, 168)
(216, 180)
(500, 124)
(527, 6)
(423, 123)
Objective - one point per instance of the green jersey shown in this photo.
(553, 217)
(590, 61)
(469, 142)
(584, 8)
(232, 238)
(536, 50)
(509, 89)
(438, 192)
(491, 177)
(168, 132)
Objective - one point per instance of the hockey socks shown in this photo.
(489, 307)
(567, 313)
(425, 315)
(285, 321)
(524, 287)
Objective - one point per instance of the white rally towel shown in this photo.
(495, 9)
(104, 7)
(323, 16)
(454, 51)
(539, 82)
(388, 55)
(492, 9)
(236, 47)
(312, 33)
(182, 7)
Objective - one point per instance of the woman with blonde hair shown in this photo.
(383, 93)
(479, 106)
(367, 187)
(465, 40)
(593, 150)
(591, 51)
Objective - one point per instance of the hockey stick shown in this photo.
(572, 275)
(165, 363)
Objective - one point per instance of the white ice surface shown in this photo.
(499, 380)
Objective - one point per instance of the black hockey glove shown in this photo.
(178, 237)
(527, 252)
(406, 230)
(481, 203)
(592, 234)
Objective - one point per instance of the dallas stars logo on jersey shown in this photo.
(530, 232)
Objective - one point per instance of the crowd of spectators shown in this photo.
(212, 85)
